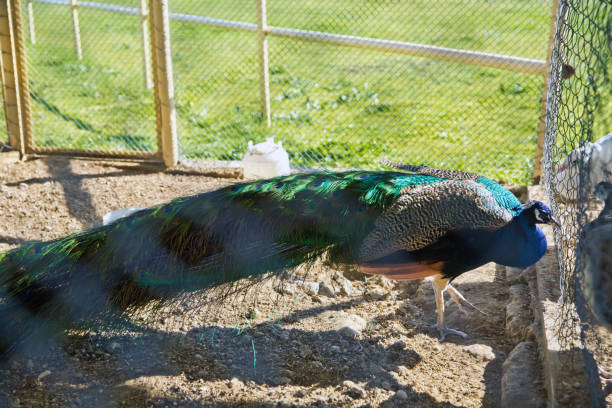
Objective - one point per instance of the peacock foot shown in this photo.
(445, 331)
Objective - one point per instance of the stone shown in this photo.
(236, 384)
(287, 288)
(346, 287)
(519, 380)
(353, 390)
(311, 288)
(401, 395)
(325, 290)
(481, 351)
(350, 325)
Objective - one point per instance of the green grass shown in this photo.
(331, 106)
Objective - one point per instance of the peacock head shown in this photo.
(538, 213)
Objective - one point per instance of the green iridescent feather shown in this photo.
(204, 240)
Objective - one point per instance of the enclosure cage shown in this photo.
(503, 88)
(458, 84)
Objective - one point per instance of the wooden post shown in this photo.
(264, 77)
(15, 86)
(31, 22)
(537, 173)
(146, 57)
(163, 86)
(77, 31)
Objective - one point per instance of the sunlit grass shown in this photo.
(331, 106)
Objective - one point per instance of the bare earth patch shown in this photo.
(353, 343)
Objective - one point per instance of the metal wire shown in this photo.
(579, 111)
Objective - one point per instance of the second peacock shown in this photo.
(410, 223)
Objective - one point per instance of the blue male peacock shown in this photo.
(409, 223)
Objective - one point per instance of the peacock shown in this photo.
(408, 222)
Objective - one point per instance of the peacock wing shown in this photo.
(424, 214)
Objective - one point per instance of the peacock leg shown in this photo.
(461, 301)
(439, 286)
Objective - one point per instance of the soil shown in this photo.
(357, 343)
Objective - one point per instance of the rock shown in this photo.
(386, 385)
(284, 381)
(401, 395)
(346, 287)
(325, 290)
(284, 335)
(350, 325)
(311, 288)
(353, 390)
(480, 350)
(376, 293)
(287, 288)
(398, 345)
(236, 384)
(519, 379)
(348, 332)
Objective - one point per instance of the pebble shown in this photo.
(287, 288)
(325, 290)
(401, 394)
(480, 350)
(284, 335)
(353, 390)
(350, 326)
(198, 356)
(236, 384)
(311, 288)
(386, 385)
(346, 287)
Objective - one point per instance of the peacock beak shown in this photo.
(553, 220)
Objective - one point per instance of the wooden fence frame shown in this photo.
(159, 17)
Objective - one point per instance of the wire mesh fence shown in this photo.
(579, 112)
(339, 107)
(450, 84)
(86, 79)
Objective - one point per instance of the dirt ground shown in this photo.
(354, 343)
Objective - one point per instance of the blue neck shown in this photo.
(518, 244)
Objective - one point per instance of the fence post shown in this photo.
(163, 87)
(146, 58)
(264, 78)
(77, 30)
(537, 173)
(31, 22)
(15, 86)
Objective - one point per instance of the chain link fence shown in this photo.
(348, 106)
(85, 69)
(448, 84)
(579, 112)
